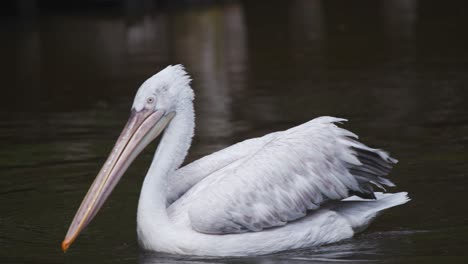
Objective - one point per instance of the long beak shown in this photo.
(142, 128)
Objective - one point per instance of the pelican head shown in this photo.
(157, 101)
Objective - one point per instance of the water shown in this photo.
(396, 70)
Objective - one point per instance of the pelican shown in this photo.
(306, 186)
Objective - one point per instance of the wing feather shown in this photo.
(189, 175)
(293, 172)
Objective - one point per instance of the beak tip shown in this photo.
(65, 245)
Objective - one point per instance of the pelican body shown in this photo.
(306, 186)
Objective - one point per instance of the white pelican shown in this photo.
(285, 190)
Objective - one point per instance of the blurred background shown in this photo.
(69, 70)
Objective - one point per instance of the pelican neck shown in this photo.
(152, 216)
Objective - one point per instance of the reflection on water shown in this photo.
(213, 44)
(395, 69)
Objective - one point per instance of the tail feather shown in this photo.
(360, 212)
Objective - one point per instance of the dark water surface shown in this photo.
(396, 69)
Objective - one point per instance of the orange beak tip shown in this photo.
(65, 245)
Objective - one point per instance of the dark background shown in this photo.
(69, 70)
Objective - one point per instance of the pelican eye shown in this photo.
(150, 100)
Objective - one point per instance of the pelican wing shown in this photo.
(189, 175)
(292, 172)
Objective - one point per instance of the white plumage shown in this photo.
(277, 180)
(285, 190)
